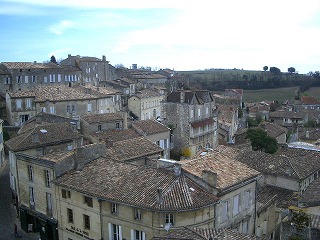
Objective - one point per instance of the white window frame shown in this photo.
(169, 219)
(89, 108)
(137, 214)
(115, 231)
(224, 210)
(137, 235)
(114, 208)
(26, 79)
(18, 103)
(28, 103)
(52, 109)
(236, 205)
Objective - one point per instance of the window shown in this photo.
(137, 235)
(19, 79)
(99, 127)
(89, 107)
(28, 103)
(115, 232)
(34, 79)
(8, 80)
(52, 110)
(86, 221)
(18, 103)
(191, 113)
(117, 125)
(31, 197)
(245, 226)
(73, 108)
(26, 79)
(165, 143)
(224, 210)
(65, 193)
(236, 207)
(68, 109)
(59, 77)
(169, 218)
(137, 214)
(49, 204)
(114, 208)
(199, 112)
(30, 172)
(47, 177)
(70, 215)
(88, 201)
(246, 200)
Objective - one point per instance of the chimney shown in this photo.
(69, 55)
(170, 165)
(125, 120)
(104, 58)
(209, 177)
(159, 195)
(86, 154)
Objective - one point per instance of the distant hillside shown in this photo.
(219, 79)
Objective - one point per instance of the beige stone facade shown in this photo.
(146, 104)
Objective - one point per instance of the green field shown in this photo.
(276, 94)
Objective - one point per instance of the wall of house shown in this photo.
(38, 184)
(101, 216)
(282, 182)
(245, 215)
(88, 128)
(146, 108)
(16, 116)
(159, 138)
(282, 138)
(266, 222)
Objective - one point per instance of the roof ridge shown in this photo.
(293, 167)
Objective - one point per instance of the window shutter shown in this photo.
(120, 233)
(132, 234)
(143, 236)
(110, 231)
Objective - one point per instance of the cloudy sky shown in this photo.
(184, 35)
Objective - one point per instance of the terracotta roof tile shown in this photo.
(102, 118)
(223, 161)
(115, 135)
(133, 148)
(308, 100)
(43, 135)
(148, 127)
(137, 186)
(272, 129)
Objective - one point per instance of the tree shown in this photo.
(291, 69)
(275, 70)
(260, 141)
(53, 59)
(265, 68)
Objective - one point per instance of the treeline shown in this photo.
(220, 80)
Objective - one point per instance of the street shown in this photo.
(7, 210)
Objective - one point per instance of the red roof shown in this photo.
(202, 123)
(309, 100)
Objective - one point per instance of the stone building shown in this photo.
(94, 70)
(31, 173)
(146, 104)
(103, 122)
(232, 181)
(192, 116)
(28, 75)
(61, 100)
(156, 132)
(135, 202)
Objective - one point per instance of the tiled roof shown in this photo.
(133, 148)
(288, 162)
(308, 100)
(58, 93)
(223, 161)
(102, 118)
(286, 114)
(313, 133)
(225, 234)
(115, 135)
(29, 65)
(269, 194)
(147, 93)
(97, 91)
(43, 135)
(311, 197)
(43, 117)
(315, 221)
(137, 186)
(273, 130)
(175, 96)
(204, 234)
(148, 127)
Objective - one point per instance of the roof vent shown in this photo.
(43, 130)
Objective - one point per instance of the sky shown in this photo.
(179, 34)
